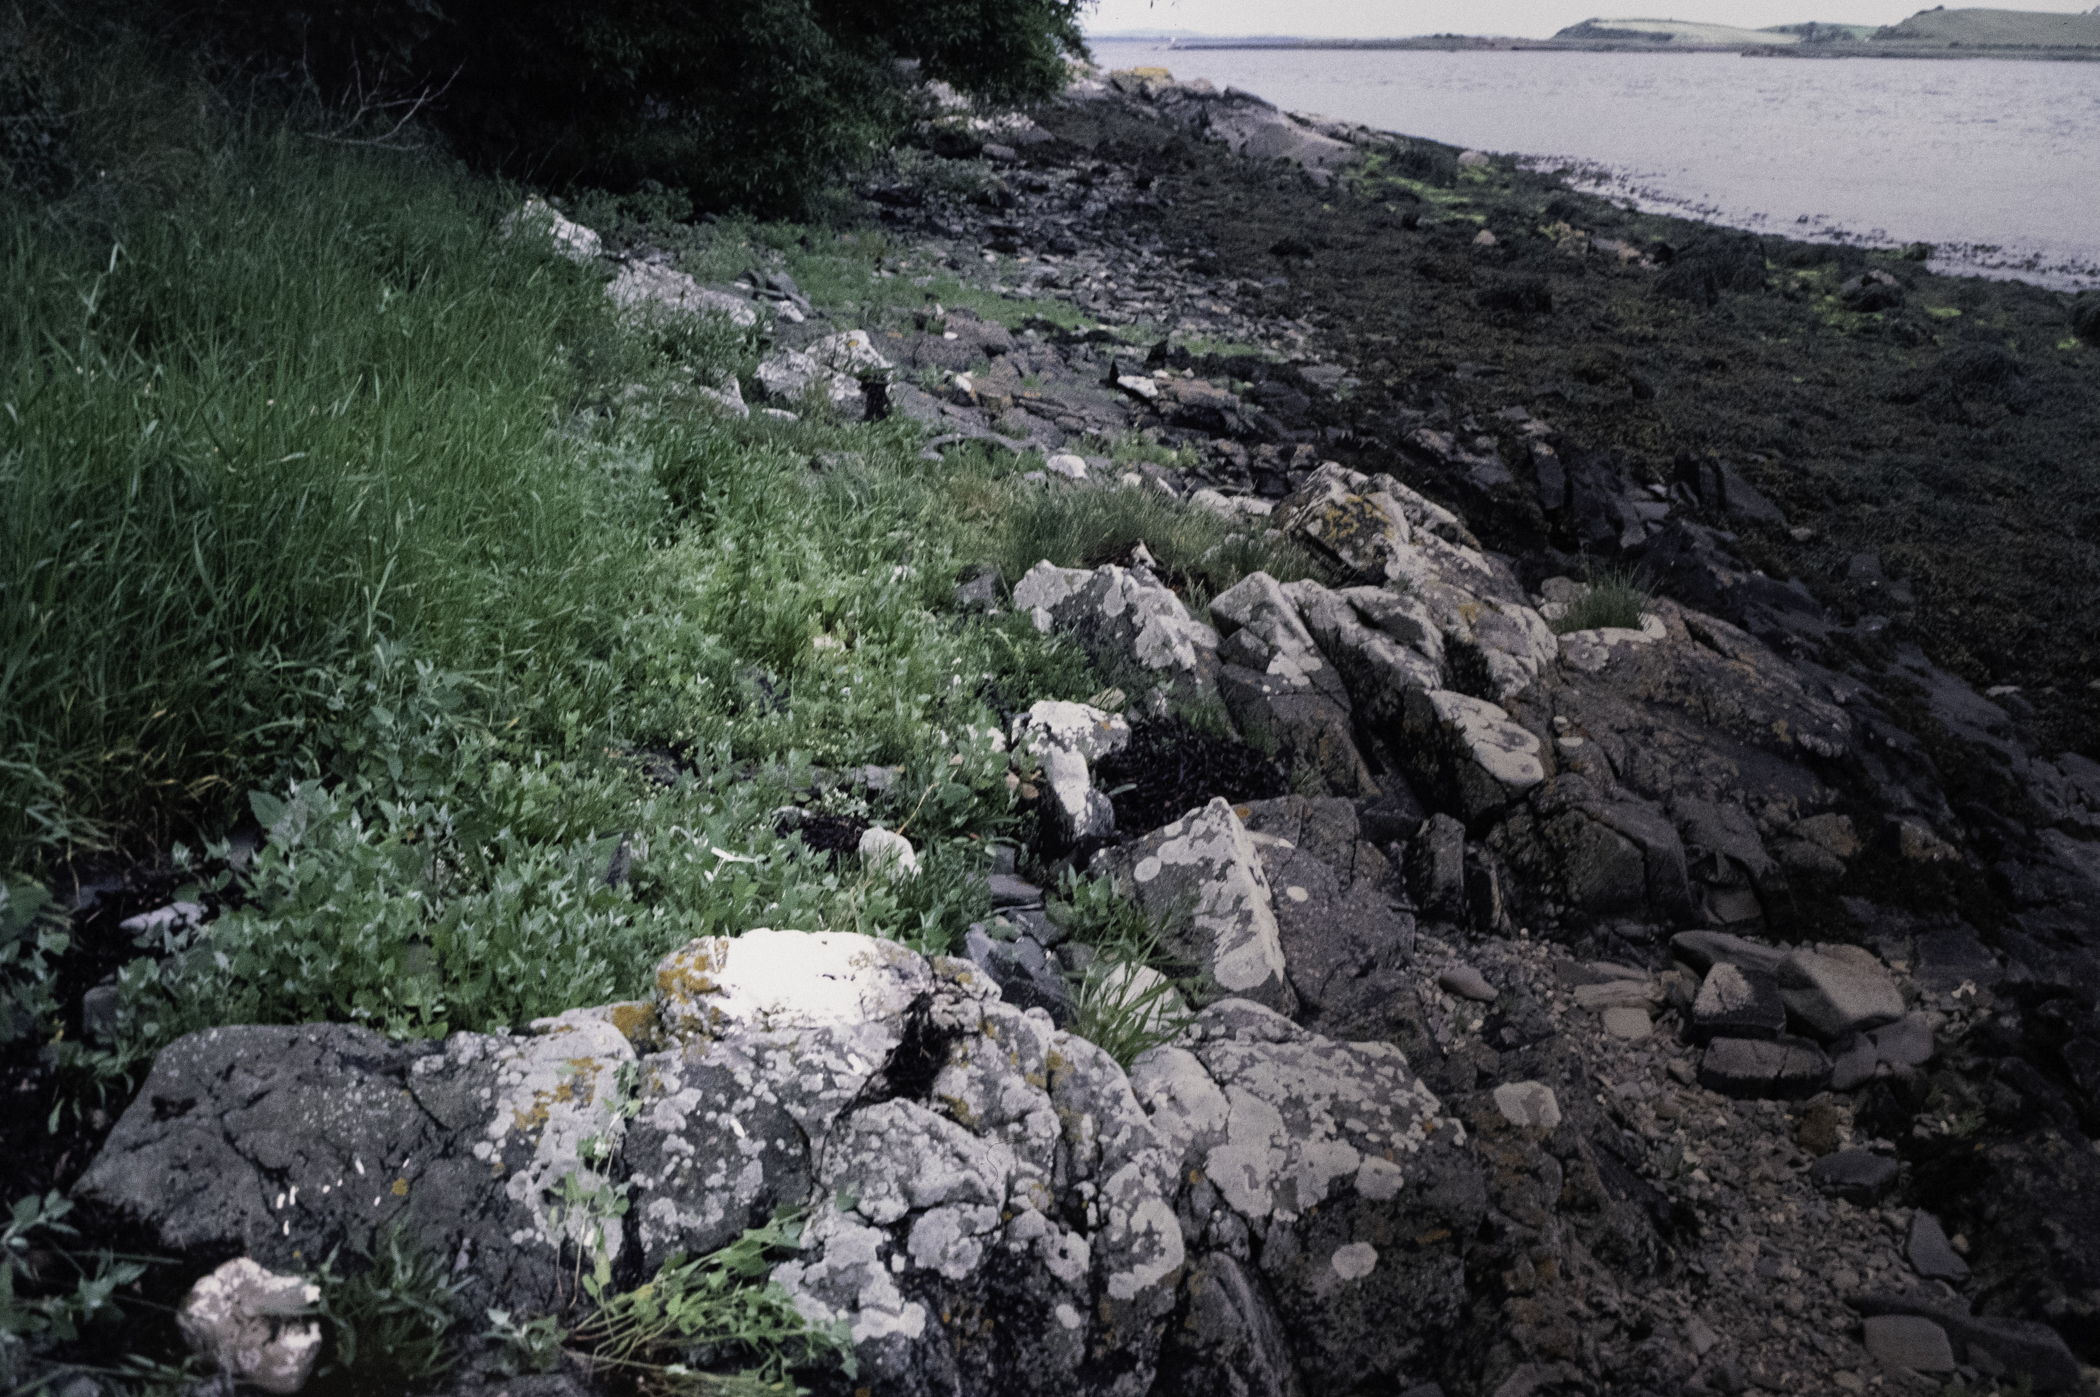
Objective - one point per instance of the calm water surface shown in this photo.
(1995, 162)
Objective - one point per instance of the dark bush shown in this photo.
(34, 157)
(1522, 295)
(1719, 260)
(751, 103)
(2085, 319)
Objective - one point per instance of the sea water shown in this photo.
(1995, 162)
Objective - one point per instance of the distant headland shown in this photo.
(1936, 33)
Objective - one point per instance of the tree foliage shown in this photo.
(750, 103)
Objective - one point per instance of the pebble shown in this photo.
(1528, 1104)
(1467, 983)
(1628, 1023)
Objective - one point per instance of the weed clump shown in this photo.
(1615, 599)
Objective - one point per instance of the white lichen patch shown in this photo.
(767, 979)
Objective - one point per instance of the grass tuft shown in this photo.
(1616, 598)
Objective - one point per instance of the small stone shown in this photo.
(1930, 1253)
(1909, 1341)
(1700, 1335)
(1622, 1021)
(1475, 159)
(1818, 1131)
(1856, 1176)
(1528, 1104)
(1467, 983)
(1618, 994)
(1070, 467)
(1009, 891)
(886, 850)
(247, 1321)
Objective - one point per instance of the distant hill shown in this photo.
(1670, 31)
(1946, 28)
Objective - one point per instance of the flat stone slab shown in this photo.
(1839, 990)
(1908, 1341)
(1857, 1176)
(1931, 1254)
(2020, 1347)
(1630, 1024)
(1749, 1068)
(1738, 1001)
(1702, 950)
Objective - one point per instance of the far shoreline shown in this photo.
(1440, 44)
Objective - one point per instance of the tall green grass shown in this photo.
(302, 411)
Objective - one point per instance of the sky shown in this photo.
(1516, 18)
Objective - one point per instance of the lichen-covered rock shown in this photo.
(833, 367)
(647, 291)
(1204, 868)
(1122, 615)
(1469, 752)
(1281, 691)
(1064, 739)
(281, 1142)
(1335, 1172)
(571, 240)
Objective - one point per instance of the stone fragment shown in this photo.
(1838, 991)
(1467, 983)
(1066, 738)
(571, 240)
(1068, 466)
(1436, 866)
(1930, 1253)
(1281, 691)
(1469, 752)
(1528, 1104)
(1749, 1068)
(1703, 949)
(886, 851)
(1857, 1176)
(1738, 1001)
(2025, 1350)
(1628, 1023)
(254, 1325)
(785, 979)
(1908, 1341)
(1204, 867)
(1612, 994)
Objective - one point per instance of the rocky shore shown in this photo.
(1704, 1002)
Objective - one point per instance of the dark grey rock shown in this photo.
(1436, 867)
(1226, 1339)
(979, 592)
(1838, 990)
(2020, 1348)
(281, 1142)
(1024, 972)
(1703, 949)
(1784, 1068)
(1857, 1176)
(1930, 1253)
(1009, 891)
(1909, 1341)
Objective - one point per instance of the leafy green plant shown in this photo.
(1616, 597)
(32, 938)
(721, 1311)
(37, 1307)
(392, 1320)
